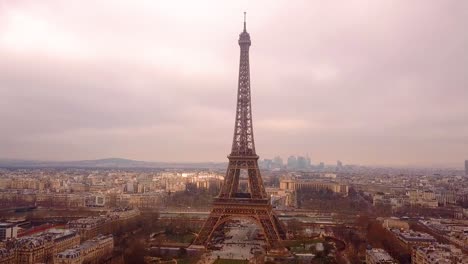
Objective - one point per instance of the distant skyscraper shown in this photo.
(302, 163)
(292, 162)
(130, 187)
(339, 164)
(309, 162)
(278, 162)
(466, 167)
(267, 163)
(321, 166)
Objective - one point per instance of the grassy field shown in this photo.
(302, 242)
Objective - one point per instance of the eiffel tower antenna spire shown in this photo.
(245, 22)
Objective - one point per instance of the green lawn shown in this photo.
(301, 242)
(186, 261)
(185, 238)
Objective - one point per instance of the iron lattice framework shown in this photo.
(231, 202)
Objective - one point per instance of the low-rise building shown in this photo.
(280, 197)
(378, 256)
(142, 200)
(39, 248)
(394, 200)
(456, 231)
(125, 213)
(64, 239)
(392, 222)
(8, 230)
(296, 184)
(88, 227)
(7, 256)
(423, 198)
(413, 238)
(33, 250)
(96, 200)
(96, 250)
(92, 226)
(437, 254)
(69, 256)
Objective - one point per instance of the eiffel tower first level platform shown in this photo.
(234, 200)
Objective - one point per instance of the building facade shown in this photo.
(8, 230)
(413, 238)
(33, 250)
(295, 184)
(7, 256)
(466, 167)
(93, 251)
(437, 254)
(378, 256)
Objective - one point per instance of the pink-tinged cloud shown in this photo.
(371, 82)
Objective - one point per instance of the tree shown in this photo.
(295, 226)
(135, 252)
(182, 253)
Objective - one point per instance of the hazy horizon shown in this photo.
(364, 82)
(456, 166)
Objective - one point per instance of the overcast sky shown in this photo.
(366, 82)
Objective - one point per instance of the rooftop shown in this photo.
(6, 225)
(380, 255)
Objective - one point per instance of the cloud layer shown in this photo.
(370, 82)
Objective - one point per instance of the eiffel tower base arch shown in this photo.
(259, 211)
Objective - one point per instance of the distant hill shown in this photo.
(104, 163)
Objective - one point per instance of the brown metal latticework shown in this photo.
(231, 202)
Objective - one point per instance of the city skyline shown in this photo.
(362, 82)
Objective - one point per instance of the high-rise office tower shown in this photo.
(466, 168)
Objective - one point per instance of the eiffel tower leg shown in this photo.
(207, 230)
(255, 180)
(278, 226)
(231, 184)
(269, 229)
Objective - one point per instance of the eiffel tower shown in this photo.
(231, 201)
